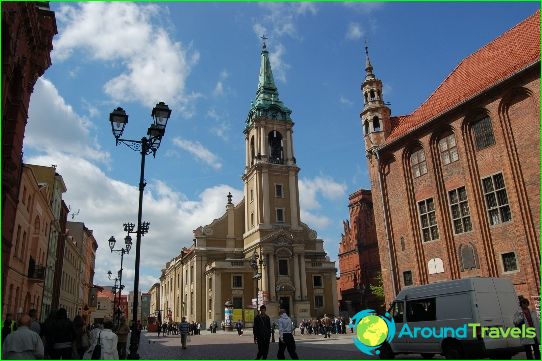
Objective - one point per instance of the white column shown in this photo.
(266, 200)
(263, 285)
(288, 145)
(263, 141)
(293, 199)
(247, 151)
(291, 142)
(296, 276)
(303, 278)
(271, 268)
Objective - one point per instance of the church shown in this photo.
(259, 251)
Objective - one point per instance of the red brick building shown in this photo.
(27, 40)
(456, 183)
(359, 263)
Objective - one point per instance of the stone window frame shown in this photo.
(482, 130)
(418, 162)
(497, 207)
(287, 266)
(281, 195)
(447, 146)
(501, 258)
(321, 281)
(233, 277)
(277, 215)
(322, 304)
(429, 225)
(405, 273)
(464, 215)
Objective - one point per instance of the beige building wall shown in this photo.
(70, 281)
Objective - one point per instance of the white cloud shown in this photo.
(199, 151)
(155, 68)
(364, 7)
(354, 32)
(345, 101)
(51, 121)
(310, 190)
(278, 64)
(315, 221)
(221, 127)
(105, 204)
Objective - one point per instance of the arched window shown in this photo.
(275, 147)
(365, 95)
(483, 133)
(418, 163)
(366, 127)
(372, 94)
(448, 148)
(435, 265)
(376, 124)
(469, 259)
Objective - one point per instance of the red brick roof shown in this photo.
(511, 52)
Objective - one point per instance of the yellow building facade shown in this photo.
(259, 246)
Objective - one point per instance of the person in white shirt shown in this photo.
(286, 339)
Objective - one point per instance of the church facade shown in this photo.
(456, 183)
(259, 246)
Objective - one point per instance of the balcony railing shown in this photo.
(36, 272)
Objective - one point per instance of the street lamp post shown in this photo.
(145, 146)
(123, 251)
(257, 266)
(115, 288)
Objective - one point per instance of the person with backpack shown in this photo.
(103, 343)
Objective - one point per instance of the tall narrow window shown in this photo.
(278, 191)
(252, 150)
(376, 124)
(275, 146)
(483, 133)
(460, 210)
(407, 278)
(318, 301)
(418, 163)
(496, 199)
(280, 215)
(283, 267)
(428, 220)
(448, 149)
(366, 127)
(252, 219)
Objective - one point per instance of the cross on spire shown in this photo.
(264, 38)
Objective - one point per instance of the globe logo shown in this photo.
(372, 331)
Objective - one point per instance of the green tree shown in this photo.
(377, 289)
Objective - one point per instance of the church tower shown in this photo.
(270, 177)
(375, 116)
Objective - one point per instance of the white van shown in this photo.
(452, 304)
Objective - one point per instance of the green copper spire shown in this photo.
(267, 103)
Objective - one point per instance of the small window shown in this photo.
(252, 219)
(317, 281)
(283, 267)
(496, 199)
(372, 93)
(237, 281)
(318, 301)
(237, 302)
(428, 220)
(407, 278)
(365, 95)
(280, 215)
(448, 149)
(376, 124)
(278, 191)
(366, 127)
(460, 212)
(191, 274)
(421, 310)
(483, 133)
(509, 262)
(398, 311)
(252, 195)
(418, 163)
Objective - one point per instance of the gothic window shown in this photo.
(459, 206)
(468, 257)
(496, 199)
(407, 278)
(448, 149)
(376, 124)
(483, 133)
(435, 265)
(275, 147)
(366, 127)
(509, 262)
(428, 220)
(418, 163)
(252, 150)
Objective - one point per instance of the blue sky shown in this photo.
(202, 59)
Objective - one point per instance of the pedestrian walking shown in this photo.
(199, 328)
(23, 343)
(35, 325)
(159, 329)
(62, 334)
(107, 340)
(286, 339)
(8, 326)
(184, 329)
(122, 335)
(262, 333)
(81, 342)
(528, 318)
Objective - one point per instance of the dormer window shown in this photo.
(376, 124)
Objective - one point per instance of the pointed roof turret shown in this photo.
(267, 102)
(368, 65)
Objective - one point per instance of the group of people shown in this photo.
(263, 331)
(59, 338)
(173, 328)
(324, 326)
